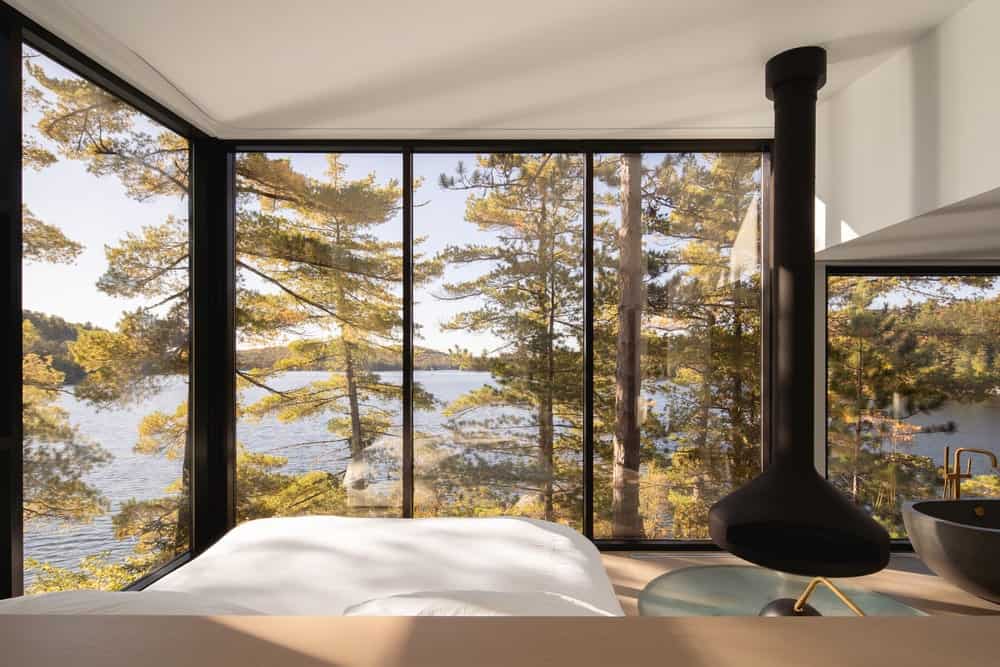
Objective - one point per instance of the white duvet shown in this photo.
(114, 603)
(322, 565)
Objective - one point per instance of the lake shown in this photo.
(132, 475)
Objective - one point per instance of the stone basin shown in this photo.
(960, 541)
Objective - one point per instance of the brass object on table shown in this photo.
(800, 604)
(953, 477)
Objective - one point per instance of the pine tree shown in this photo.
(310, 260)
(528, 294)
(626, 519)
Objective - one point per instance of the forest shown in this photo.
(319, 261)
(900, 346)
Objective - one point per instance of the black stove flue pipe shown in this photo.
(789, 518)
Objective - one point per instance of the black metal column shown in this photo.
(789, 518)
(11, 481)
(213, 343)
(791, 245)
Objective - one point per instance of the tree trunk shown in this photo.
(626, 520)
(352, 396)
(546, 463)
(546, 422)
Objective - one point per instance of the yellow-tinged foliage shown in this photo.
(96, 572)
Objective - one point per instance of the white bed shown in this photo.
(322, 565)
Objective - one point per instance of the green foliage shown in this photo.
(51, 338)
(42, 242)
(900, 346)
(56, 458)
(382, 360)
(96, 572)
(522, 432)
(982, 486)
(263, 491)
(312, 268)
(700, 419)
(79, 121)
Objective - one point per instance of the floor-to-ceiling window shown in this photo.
(498, 243)
(677, 338)
(319, 281)
(105, 335)
(913, 366)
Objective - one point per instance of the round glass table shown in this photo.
(743, 590)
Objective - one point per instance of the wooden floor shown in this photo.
(906, 579)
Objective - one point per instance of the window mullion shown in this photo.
(588, 346)
(407, 462)
(11, 480)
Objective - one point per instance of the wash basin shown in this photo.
(960, 541)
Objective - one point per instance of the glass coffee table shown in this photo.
(743, 590)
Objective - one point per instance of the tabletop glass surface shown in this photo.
(742, 590)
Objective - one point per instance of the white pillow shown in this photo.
(152, 603)
(475, 603)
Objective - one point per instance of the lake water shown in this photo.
(132, 475)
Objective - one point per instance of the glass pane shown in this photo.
(499, 317)
(319, 334)
(676, 339)
(105, 366)
(912, 368)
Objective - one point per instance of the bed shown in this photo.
(331, 566)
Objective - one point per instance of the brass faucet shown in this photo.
(953, 478)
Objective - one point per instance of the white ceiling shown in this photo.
(449, 68)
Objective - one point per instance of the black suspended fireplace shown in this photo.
(790, 518)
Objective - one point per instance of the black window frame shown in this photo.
(212, 283)
(861, 269)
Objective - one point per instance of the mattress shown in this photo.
(322, 565)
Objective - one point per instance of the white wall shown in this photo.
(919, 132)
